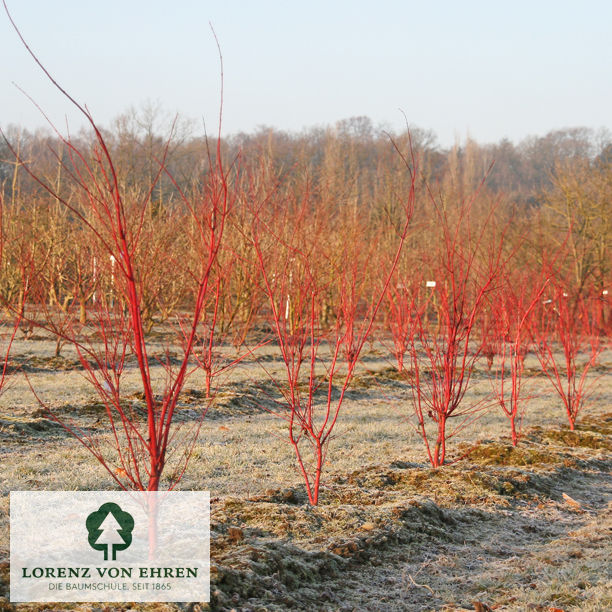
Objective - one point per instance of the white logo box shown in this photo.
(110, 546)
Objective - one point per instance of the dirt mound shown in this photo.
(29, 427)
(276, 552)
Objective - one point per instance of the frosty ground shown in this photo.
(512, 529)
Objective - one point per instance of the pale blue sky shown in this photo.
(488, 69)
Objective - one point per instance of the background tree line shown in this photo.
(552, 192)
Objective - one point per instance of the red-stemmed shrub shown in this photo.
(301, 267)
(512, 311)
(113, 217)
(464, 263)
(567, 343)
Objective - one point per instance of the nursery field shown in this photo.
(388, 362)
(501, 528)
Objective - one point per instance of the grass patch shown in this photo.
(499, 453)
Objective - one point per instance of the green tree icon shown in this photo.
(110, 529)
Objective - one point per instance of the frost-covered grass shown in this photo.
(494, 527)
